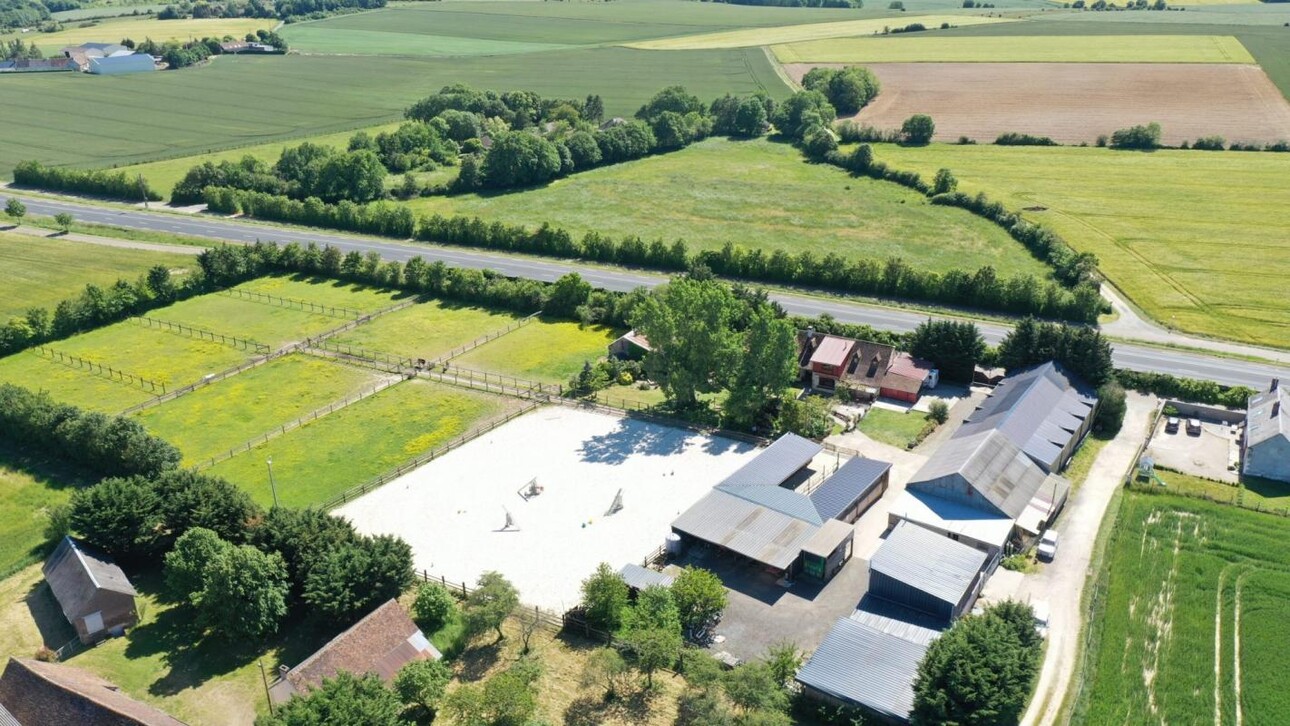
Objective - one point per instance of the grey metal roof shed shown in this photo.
(639, 578)
(848, 485)
(776, 463)
(923, 570)
(859, 664)
(750, 529)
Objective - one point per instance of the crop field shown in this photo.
(755, 194)
(1075, 102)
(139, 28)
(748, 37)
(548, 351)
(427, 330)
(325, 457)
(1019, 49)
(1194, 238)
(1192, 625)
(213, 419)
(236, 101)
(41, 271)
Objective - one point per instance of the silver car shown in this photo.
(1047, 549)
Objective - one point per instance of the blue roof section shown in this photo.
(848, 484)
(928, 562)
(862, 664)
(775, 464)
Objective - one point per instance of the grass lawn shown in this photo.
(328, 456)
(1196, 239)
(258, 320)
(1020, 49)
(41, 271)
(547, 351)
(70, 385)
(247, 100)
(812, 31)
(29, 488)
(1253, 493)
(155, 354)
(427, 330)
(214, 418)
(892, 427)
(325, 291)
(757, 194)
(140, 28)
(1190, 625)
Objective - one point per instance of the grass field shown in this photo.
(41, 271)
(324, 291)
(238, 101)
(427, 330)
(211, 420)
(328, 456)
(755, 194)
(892, 427)
(140, 28)
(1196, 239)
(544, 350)
(170, 358)
(1191, 627)
(748, 37)
(29, 488)
(1254, 493)
(1020, 49)
(70, 385)
(261, 321)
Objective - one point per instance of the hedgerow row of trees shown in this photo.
(117, 185)
(380, 218)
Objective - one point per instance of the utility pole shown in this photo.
(272, 485)
(265, 678)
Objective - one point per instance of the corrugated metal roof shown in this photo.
(76, 574)
(864, 665)
(6, 718)
(775, 464)
(951, 516)
(639, 578)
(900, 627)
(847, 485)
(992, 465)
(929, 562)
(1260, 424)
(1038, 409)
(828, 538)
(754, 531)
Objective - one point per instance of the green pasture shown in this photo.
(245, 100)
(427, 330)
(1019, 49)
(892, 427)
(324, 291)
(69, 384)
(39, 272)
(213, 419)
(316, 38)
(1196, 239)
(138, 28)
(547, 351)
(1180, 574)
(325, 457)
(256, 320)
(170, 358)
(29, 489)
(1253, 492)
(757, 194)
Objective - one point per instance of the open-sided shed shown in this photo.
(925, 571)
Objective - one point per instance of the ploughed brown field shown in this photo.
(1074, 102)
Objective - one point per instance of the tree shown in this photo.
(954, 347)
(753, 687)
(349, 581)
(358, 176)
(655, 608)
(118, 515)
(64, 221)
(186, 563)
(422, 684)
(944, 182)
(1080, 348)
(674, 99)
(702, 708)
(819, 142)
(803, 111)
(938, 411)
(917, 130)
(506, 699)
(566, 294)
(493, 599)
(1111, 407)
(190, 499)
(848, 89)
(604, 598)
(346, 700)
(1137, 137)
(302, 537)
(593, 109)
(653, 648)
(434, 606)
(700, 597)
(689, 325)
(605, 667)
(807, 416)
(15, 210)
(784, 660)
(244, 594)
(519, 159)
(768, 364)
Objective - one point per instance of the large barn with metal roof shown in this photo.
(921, 570)
(754, 515)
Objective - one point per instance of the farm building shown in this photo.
(638, 578)
(960, 522)
(237, 47)
(36, 693)
(1267, 434)
(921, 570)
(868, 661)
(36, 65)
(119, 65)
(631, 346)
(382, 642)
(753, 514)
(93, 593)
(871, 369)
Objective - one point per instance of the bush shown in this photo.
(848, 89)
(434, 606)
(1185, 389)
(113, 185)
(1111, 407)
(1210, 143)
(938, 411)
(1137, 137)
(1013, 138)
(918, 130)
(379, 218)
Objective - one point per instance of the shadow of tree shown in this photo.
(475, 662)
(592, 710)
(631, 438)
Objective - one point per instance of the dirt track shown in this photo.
(1074, 102)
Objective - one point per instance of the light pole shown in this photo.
(264, 677)
(272, 485)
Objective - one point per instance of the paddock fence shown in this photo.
(189, 331)
(463, 349)
(335, 311)
(89, 366)
(207, 380)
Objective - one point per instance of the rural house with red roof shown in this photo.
(871, 369)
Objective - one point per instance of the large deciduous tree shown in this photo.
(604, 598)
(244, 594)
(487, 607)
(345, 699)
(699, 595)
(519, 159)
(688, 325)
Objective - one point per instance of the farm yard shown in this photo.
(1163, 225)
(757, 194)
(1190, 616)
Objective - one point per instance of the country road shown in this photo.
(1135, 357)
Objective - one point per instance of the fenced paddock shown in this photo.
(453, 510)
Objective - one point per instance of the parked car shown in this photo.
(1047, 549)
(1041, 617)
(1193, 427)
(1171, 425)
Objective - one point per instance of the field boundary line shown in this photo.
(484, 381)
(300, 421)
(209, 379)
(87, 366)
(420, 460)
(291, 303)
(488, 337)
(363, 319)
(1236, 644)
(189, 331)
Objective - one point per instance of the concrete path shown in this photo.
(107, 241)
(1061, 583)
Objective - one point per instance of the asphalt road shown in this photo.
(1143, 358)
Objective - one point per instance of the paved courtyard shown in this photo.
(1207, 455)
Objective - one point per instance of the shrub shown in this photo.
(114, 185)
(434, 606)
(1013, 138)
(1210, 143)
(1137, 137)
(918, 130)
(938, 411)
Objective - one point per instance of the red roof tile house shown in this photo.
(870, 369)
(381, 643)
(906, 376)
(49, 694)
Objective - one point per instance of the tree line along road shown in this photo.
(1189, 364)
